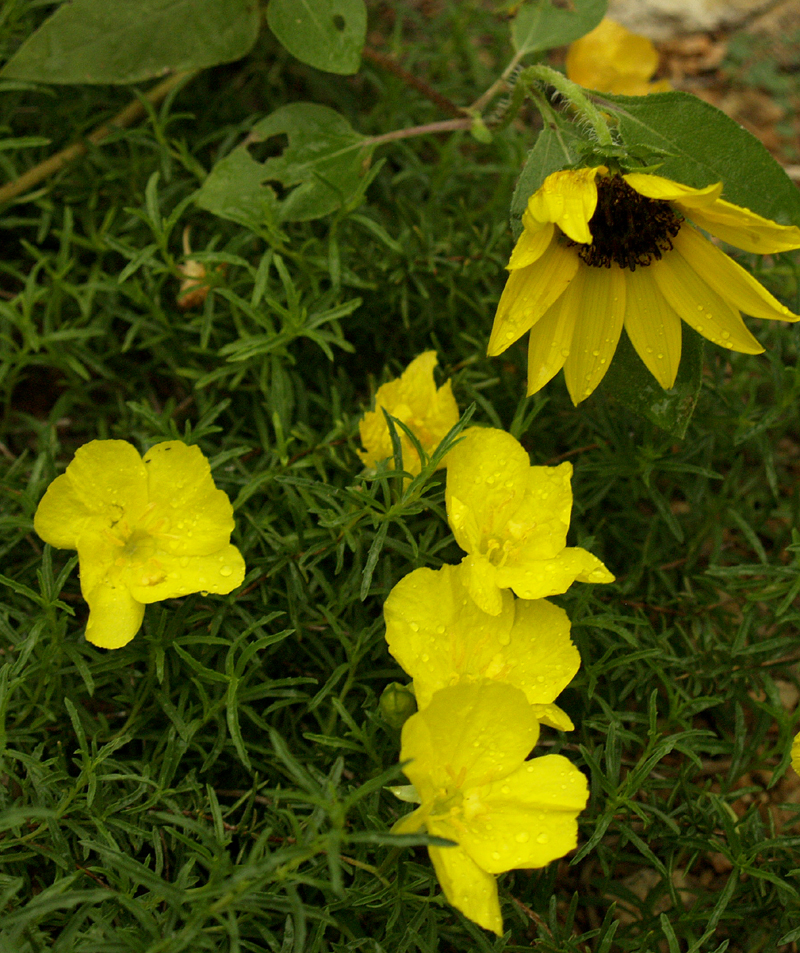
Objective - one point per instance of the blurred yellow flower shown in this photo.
(145, 530)
(512, 519)
(796, 753)
(413, 398)
(441, 637)
(611, 59)
(600, 251)
(467, 752)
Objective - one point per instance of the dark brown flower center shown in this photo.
(628, 228)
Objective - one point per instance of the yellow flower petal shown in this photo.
(467, 887)
(729, 279)
(480, 580)
(701, 307)
(103, 477)
(529, 292)
(684, 196)
(114, 616)
(528, 818)
(796, 753)
(440, 639)
(553, 717)
(600, 310)
(569, 199)
(469, 734)
(531, 244)
(536, 579)
(412, 398)
(550, 340)
(744, 229)
(487, 474)
(61, 518)
(611, 59)
(166, 576)
(193, 516)
(653, 326)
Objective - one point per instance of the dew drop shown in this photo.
(225, 570)
(542, 838)
(522, 838)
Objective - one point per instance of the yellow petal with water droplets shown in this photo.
(62, 518)
(700, 306)
(167, 576)
(729, 279)
(744, 229)
(553, 717)
(539, 578)
(197, 517)
(653, 326)
(529, 292)
(684, 196)
(114, 616)
(531, 244)
(467, 887)
(550, 340)
(529, 818)
(568, 198)
(600, 313)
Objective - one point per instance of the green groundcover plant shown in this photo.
(307, 646)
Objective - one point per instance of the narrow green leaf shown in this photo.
(322, 167)
(94, 41)
(326, 34)
(541, 26)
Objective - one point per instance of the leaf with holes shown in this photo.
(94, 41)
(541, 26)
(326, 34)
(322, 169)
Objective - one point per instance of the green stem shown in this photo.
(577, 97)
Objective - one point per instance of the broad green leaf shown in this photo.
(629, 382)
(541, 26)
(557, 147)
(324, 166)
(702, 145)
(125, 41)
(326, 34)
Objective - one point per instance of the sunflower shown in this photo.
(601, 250)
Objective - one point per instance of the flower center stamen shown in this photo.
(627, 228)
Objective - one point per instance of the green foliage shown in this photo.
(92, 41)
(540, 25)
(222, 783)
(327, 34)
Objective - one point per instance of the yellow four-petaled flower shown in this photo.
(145, 530)
(466, 752)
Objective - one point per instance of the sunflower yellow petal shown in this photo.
(700, 306)
(529, 292)
(531, 244)
(729, 279)
(114, 616)
(467, 887)
(744, 229)
(653, 326)
(600, 312)
(541, 799)
(684, 196)
(569, 199)
(550, 340)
